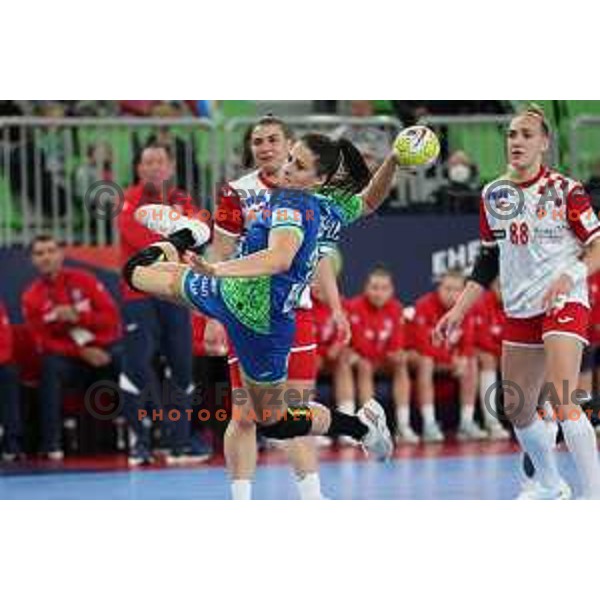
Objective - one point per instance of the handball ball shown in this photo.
(416, 146)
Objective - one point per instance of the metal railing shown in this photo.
(584, 145)
(49, 168)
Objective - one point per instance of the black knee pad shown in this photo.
(144, 258)
(296, 422)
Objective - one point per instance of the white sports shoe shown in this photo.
(322, 441)
(347, 441)
(165, 220)
(378, 440)
(533, 490)
(496, 432)
(432, 434)
(406, 435)
(471, 432)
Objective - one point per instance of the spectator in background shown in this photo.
(9, 392)
(461, 192)
(76, 328)
(489, 319)
(98, 166)
(592, 185)
(154, 326)
(455, 360)
(411, 111)
(333, 357)
(183, 149)
(91, 108)
(373, 142)
(378, 340)
(157, 108)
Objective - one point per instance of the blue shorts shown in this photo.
(263, 357)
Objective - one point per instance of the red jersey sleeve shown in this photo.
(359, 342)
(581, 216)
(103, 313)
(48, 337)
(228, 215)
(131, 232)
(5, 337)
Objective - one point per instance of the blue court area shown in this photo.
(471, 477)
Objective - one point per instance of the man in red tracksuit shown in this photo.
(76, 327)
(9, 392)
(455, 359)
(378, 340)
(153, 326)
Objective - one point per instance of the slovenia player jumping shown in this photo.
(255, 296)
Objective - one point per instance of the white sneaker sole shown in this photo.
(165, 220)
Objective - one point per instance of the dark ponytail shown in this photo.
(346, 172)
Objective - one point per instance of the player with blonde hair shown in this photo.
(540, 234)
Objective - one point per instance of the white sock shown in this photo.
(346, 406)
(428, 414)
(487, 379)
(309, 487)
(534, 440)
(403, 417)
(466, 415)
(241, 489)
(581, 442)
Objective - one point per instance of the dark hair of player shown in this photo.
(247, 158)
(341, 162)
(42, 238)
(270, 119)
(154, 145)
(379, 271)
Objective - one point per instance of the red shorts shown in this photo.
(572, 320)
(302, 364)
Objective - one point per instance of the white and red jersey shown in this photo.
(239, 201)
(541, 232)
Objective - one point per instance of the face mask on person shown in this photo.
(459, 173)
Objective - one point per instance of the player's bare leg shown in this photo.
(563, 359)
(343, 382)
(280, 421)
(364, 381)
(426, 394)
(488, 396)
(241, 452)
(523, 370)
(467, 379)
(401, 395)
(302, 452)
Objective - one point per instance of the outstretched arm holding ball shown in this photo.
(414, 147)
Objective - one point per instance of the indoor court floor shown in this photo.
(468, 471)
